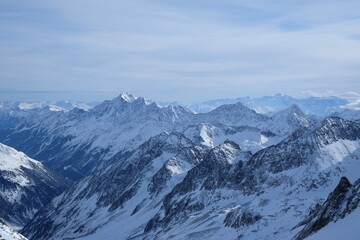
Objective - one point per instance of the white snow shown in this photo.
(337, 152)
(6, 233)
(11, 159)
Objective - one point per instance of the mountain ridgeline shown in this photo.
(72, 142)
(150, 172)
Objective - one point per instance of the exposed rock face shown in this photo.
(342, 201)
(239, 217)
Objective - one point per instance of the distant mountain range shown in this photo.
(316, 106)
(64, 105)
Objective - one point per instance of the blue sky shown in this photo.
(177, 50)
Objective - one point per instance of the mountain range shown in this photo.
(143, 171)
(72, 142)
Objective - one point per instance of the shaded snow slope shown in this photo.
(26, 185)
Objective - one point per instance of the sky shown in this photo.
(177, 50)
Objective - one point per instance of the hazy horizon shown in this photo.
(179, 50)
(99, 96)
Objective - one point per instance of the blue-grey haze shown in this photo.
(177, 50)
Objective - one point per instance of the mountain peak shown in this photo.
(333, 123)
(127, 97)
(224, 153)
(293, 109)
(288, 120)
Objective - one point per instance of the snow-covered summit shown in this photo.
(289, 120)
(127, 97)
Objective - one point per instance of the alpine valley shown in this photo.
(129, 168)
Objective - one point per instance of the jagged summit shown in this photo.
(295, 108)
(127, 97)
(294, 111)
(334, 128)
(224, 153)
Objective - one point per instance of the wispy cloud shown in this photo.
(180, 49)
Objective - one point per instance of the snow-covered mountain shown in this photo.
(318, 106)
(172, 187)
(7, 233)
(133, 186)
(26, 185)
(72, 142)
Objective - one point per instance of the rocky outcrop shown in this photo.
(342, 201)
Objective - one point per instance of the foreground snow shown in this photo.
(6, 233)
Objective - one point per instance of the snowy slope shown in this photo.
(124, 193)
(26, 185)
(169, 188)
(249, 138)
(6, 233)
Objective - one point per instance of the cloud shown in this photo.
(180, 49)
